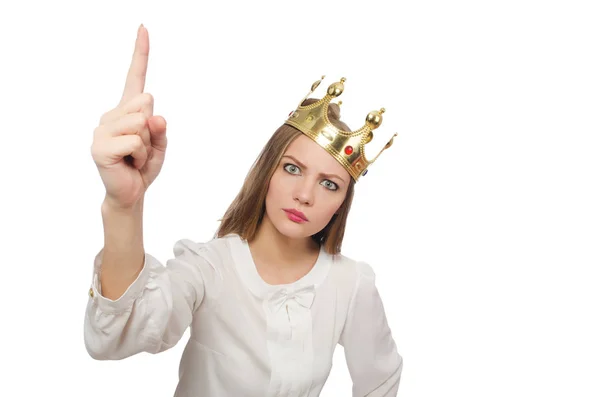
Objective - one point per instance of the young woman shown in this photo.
(270, 296)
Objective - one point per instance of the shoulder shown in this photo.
(209, 259)
(214, 252)
(215, 245)
(352, 272)
(354, 282)
(356, 267)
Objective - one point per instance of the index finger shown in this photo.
(136, 77)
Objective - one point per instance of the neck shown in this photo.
(273, 247)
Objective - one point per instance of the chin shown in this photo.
(292, 230)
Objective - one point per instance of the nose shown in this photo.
(303, 192)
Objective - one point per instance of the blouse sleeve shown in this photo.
(157, 308)
(371, 353)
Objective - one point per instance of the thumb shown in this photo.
(157, 126)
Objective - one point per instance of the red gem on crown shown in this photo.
(348, 150)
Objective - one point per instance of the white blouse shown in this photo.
(248, 337)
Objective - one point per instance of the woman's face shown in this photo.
(308, 180)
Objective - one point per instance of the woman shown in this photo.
(270, 296)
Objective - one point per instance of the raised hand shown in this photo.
(130, 142)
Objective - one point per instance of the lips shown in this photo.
(296, 214)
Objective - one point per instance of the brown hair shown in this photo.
(246, 212)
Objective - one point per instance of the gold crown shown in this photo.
(347, 147)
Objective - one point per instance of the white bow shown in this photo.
(304, 296)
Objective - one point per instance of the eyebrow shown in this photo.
(320, 174)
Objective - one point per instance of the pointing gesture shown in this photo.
(136, 77)
(130, 141)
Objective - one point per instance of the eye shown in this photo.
(330, 185)
(295, 170)
(291, 168)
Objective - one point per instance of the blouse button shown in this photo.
(91, 292)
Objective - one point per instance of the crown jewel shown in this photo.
(347, 147)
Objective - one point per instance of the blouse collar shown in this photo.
(246, 268)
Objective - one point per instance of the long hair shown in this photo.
(245, 213)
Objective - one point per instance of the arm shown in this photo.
(371, 353)
(123, 253)
(153, 310)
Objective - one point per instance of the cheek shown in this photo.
(331, 205)
(274, 191)
(270, 194)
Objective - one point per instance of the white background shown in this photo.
(482, 221)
